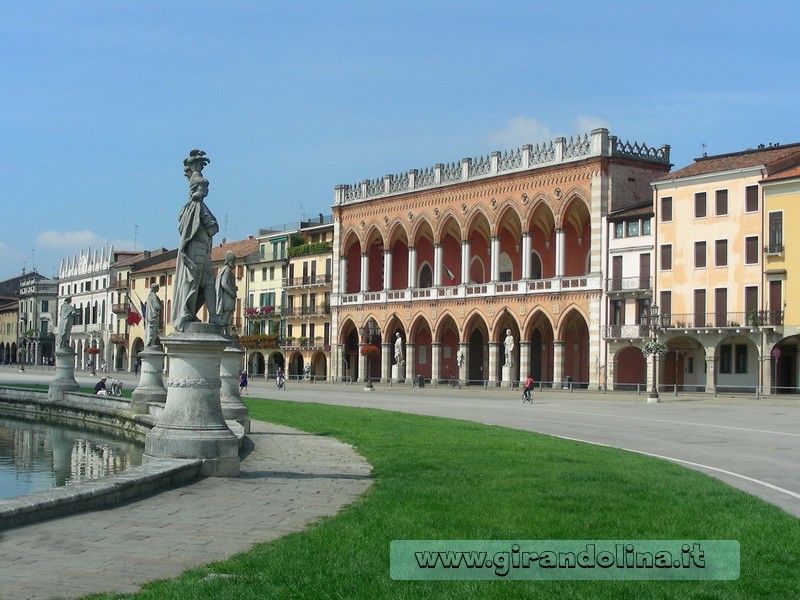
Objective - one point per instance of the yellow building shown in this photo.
(9, 320)
(781, 193)
(709, 265)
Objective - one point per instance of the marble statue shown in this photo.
(226, 292)
(66, 319)
(509, 349)
(459, 358)
(194, 273)
(153, 308)
(398, 350)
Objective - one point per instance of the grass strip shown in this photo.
(443, 479)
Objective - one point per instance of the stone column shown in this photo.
(151, 383)
(494, 259)
(411, 361)
(233, 409)
(560, 254)
(64, 380)
(710, 386)
(192, 424)
(437, 265)
(387, 269)
(494, 352)
(364, 272)
(387, 369)
(524, 360)
(463, 371)
(436, 361)
(412, 267)
(526, 255)
(558, 363)
(465, 248)
(343, 274)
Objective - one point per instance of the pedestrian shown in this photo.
(100, 387)
(243, 383)
(103, 366)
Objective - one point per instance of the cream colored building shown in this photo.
(781, 196)
(710, 253)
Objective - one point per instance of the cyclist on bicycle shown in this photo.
(526, 393)
(280, 380)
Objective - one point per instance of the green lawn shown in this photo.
(442, 479)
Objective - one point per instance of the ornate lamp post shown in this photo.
(654, 348)
(368, 349)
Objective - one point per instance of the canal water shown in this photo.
(40, 455)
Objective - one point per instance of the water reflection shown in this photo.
(36, 455)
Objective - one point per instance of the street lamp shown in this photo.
(654, 348)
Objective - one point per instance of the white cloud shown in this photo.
(585, 124)
(68, 240)
(519, 131)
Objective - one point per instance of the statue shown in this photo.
(509, 345)
(194, 273)
(66, 319)
(459, 358)
(398, 350)
(152, 317)
(226, 292)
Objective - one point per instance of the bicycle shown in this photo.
(455, 382)
(280, 382)
(526, 396)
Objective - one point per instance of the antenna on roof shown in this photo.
(225, 231)
(135, 234)
(703, 146)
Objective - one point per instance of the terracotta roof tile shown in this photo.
(241, 249)
(775, 157)
(789, 173)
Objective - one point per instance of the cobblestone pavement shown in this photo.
(288, 480)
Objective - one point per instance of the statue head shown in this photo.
(68, 300)
(230, 258)
(154, 287)
(508, 332)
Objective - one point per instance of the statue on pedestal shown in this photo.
(509, 349)
(226, 292)
(152, 317)
(398, 350)
(66, 319)
(194, 273)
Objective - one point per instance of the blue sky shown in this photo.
(101, 101)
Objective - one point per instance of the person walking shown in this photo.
(243, 383)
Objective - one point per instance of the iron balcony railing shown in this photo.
(307, 311)
(760, 318)
(308, 281)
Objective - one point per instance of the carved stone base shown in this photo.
(64, 380)
(508, 375)
(151, 382)
(192, 424)
(398, 373)
(233, 409)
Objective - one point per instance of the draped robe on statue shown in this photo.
(194, 273)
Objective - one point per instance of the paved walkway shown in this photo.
(287, 481)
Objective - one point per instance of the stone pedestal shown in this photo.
(64, 380)
(192, 424)
(508, 375)
(151, 383)
(398, 373)
(233, 409)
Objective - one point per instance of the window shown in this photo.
(45, 305)
(262, 251)
(700, 308)
(617, 312)
(721, 253)
(272, 273)
(700, 205)
(751, 250)
(751, 198)
(633, 228)
(263, 273)
(775, 233)
(741, 358)
(725, 358)
(721, 307)
(722, 202)
(251, 273)
(646, 226)
(699, 255)
(666, 257)
(666, 209)
(619, 230)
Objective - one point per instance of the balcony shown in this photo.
(626, 332)
(301, 343)
(773, 248)
(120, 285)
(262, 312)
(118, 338)
(121, 308)
(731, 320)
(477, 290)
(308, 281)
(618, 285)
(307, 311)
